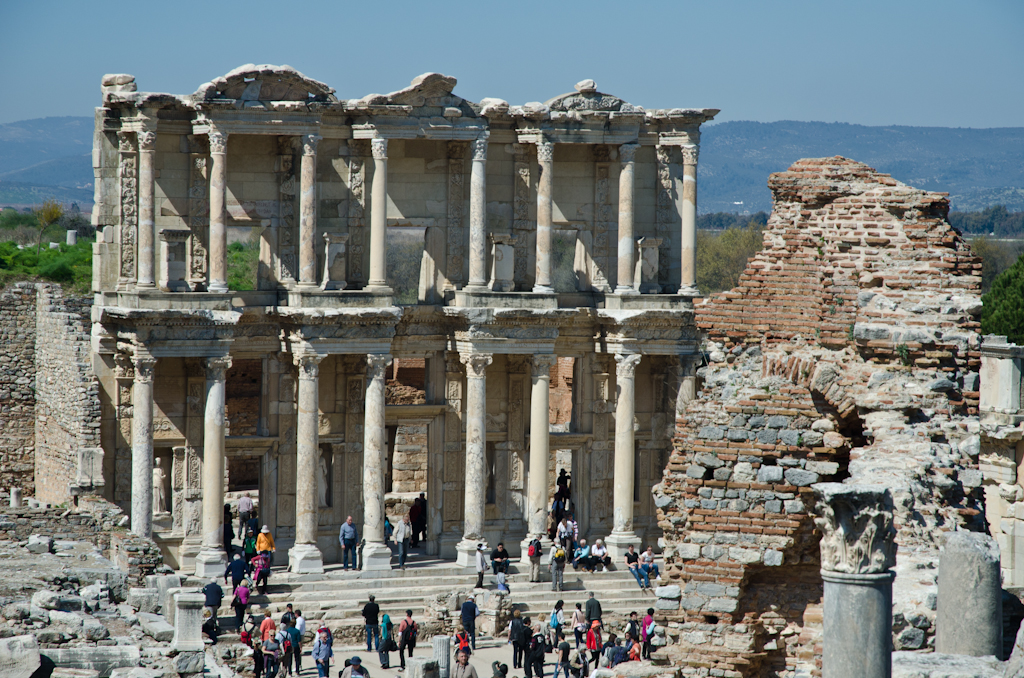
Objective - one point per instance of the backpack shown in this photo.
(245, 637)
(287, 646)
(554, 620)
(560, 555)
(534, 549)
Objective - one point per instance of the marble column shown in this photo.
(857, 552)
(627, 239)
(545, 185)
(147, 234)
(307, 212)
(218, 214)
(688, 244)
(540, 454)
(622, 489)
(376, 554)
(211, 559)
(379, 218)
(305, 557)
(478, 218)
(476, 456)
(969, 619)
(142, 446)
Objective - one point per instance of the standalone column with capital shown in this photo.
(218, 216)
(147, 235)
(545, 185)
(627, 241)
(307, 212)
(622, 494)
(476, 456)
(211, 560)
(540, 453)
(857, 552)
(376, 554)
(305, 556)
(688, 244)
(379, 218)
(142, 446)
(478, 218)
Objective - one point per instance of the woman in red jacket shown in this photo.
(594, 641)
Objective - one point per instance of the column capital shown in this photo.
(144, 368)
(543, 363)
(476, 364)
(147, 140)
(217, 367)
(379, 148)
(308, 364)
(126, 142)
(627, 152)
(309, 143)
(480, 149)
(376, 364)
(545, 151)
(218, 142)
(690, 154)
(856, 528)
(625, 364)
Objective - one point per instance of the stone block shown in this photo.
(422, 667)
(710, 589)
(801, 478)
(335, 268)
(69, 619)
(696, 471)
(188, 622)
(46, 599)
(769, 474)
(154, 626)
(722, 605)
(137, 672)
(502, 265)
(722, 473)
(773, 506)
(173, 265)
(708, 460)
(670, 591)
(823, 468)
(100, 658)
(969, 478)
(40, 543)
(772, 558)
(711, 433)
(743, 472)
(970, 606)
(666, 604)
(767, 436)
(777, 421)
(745, 556)
(933, 665)
(94, 630)
(793, 506)
(144, 600)
(790, 437)
(688, 551)
(19, 656)
(189, 662)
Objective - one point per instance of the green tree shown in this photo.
(995, 256)
(1003, 310)
(722, 258)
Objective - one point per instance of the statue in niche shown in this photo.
(159, 499)
(321, 484)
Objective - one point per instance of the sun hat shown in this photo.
(265, 530)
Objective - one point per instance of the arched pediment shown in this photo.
(265, 82)
(587, 98)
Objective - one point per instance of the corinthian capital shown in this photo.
(147, 140)
(379, 149)
(480, 148)
(218, 142)
(545, 151)
(543, 363)
(625, 365)
(377, 365)
(217, 367)
(308, 364)
(144, 368)
(309, 143)
(627, 152)
(476, 364)
(856, 528)
(690, 154)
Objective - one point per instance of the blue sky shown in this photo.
(927, 63)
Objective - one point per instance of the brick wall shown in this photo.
(17, 385)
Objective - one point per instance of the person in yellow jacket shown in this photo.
(264, 542)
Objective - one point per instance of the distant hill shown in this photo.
(978, 167)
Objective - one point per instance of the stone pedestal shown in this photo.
(626, 243)
(688, 241)
(307, 211)
(622, 489)
(478, 217)
(218, 216)
(15, 500)
(188, 622)
(502, 263)
(545, 186)
(173, 260)
(442, 654)
(335, 266)
(856, 553)
(211, 560)
(376, 554)
(647, 266)
(142, 446)
(305, 557)
(969, 618)
(476, 453)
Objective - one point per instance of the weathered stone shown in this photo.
(709, 460)
(422, 667)
(696, 471)
(688, 551)
(189, 662)
(102, 659)
(800, 477)
(934, 665)
(969, 618)
(769, 474)
(670, 591)
(154, 626)
(19, 656)
(46, 599)
(40, 543)
(910, 638)
(144, 600)
(772, 558)
(743, 472)
(711, 433)
(69, 619)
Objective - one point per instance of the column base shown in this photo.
(376, 556)
(210, 563)
(628, 291)
(545, 550)
(305, 559)
(216, 286)
(145, 285)
(475, 287)
(306, 286)
(378, 289)
(543, 289)
(689, 291)
(467, 552)
(618, 544)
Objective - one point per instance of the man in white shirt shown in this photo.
(245, 507)
(599, 555)
(481, 565)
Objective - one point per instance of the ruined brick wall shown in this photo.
(17, 386)
(67, 415)
(848, 351)
(409, 463)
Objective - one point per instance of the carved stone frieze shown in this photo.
(665, 207)
(856, 526)
(198, 214)
(456, 210)
(128, 178)
(521, 224)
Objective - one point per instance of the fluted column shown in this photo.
(142, 446)
(476, 455)
(307, 211)
(540, 454)
(857, 554)
(622, 493)
(545, 185)
(688, 244)
(376, 554)
(218, 216)
(147, 234)
(478, 217)
(379, 218)
(627, 240)
(211, 559)
(305, 556)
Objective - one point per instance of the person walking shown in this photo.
(518, 635)
(564, 652)
(402, 534)
(535, 654)
(414, 516)
(555, 622)
(254, 642)
(462, 668)
(249, 547)
(236, 571)
(533, 552)
(592, 608)
(647, 633)
(387, 641)
(407, 631)
(214, 597)
(245, 507)
(240, 601)
(288, 616)
(557, 558)
(284, 656)
(633, 566)
(253, 524)
(481, 566)
(579, 625)
(271, 656)
(370, 613)
(267, 627)
(461, 639)
(322, 654)
(469, 614)
(348, 538)
(594, 641)
(300, 626)
(261, 572)
(419, 524)
(265, 542)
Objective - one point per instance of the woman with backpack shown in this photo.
(533, 552)
(387, 641)
(407, 631)
(555, 621)
(462, 641)
(579, 624)
(518, 634)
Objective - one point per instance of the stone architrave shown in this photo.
(147, 149)
(307, 211)
(476, 456)
(218, 245)
(379, 218)
(305, 557)
(969, 617)
(188, 622)
(540, 454)
(376, 554)
(627, 243)
(622, 534)
(211, 559)
(545, 186)
(478, 217)
(688, 242)
(857, 552)
(142, 446)
(335, 255)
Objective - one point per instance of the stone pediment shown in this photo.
(429, 89)
(266, 82)
(587, 98)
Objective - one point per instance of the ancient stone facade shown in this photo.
(553, 234)
(849, 351)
